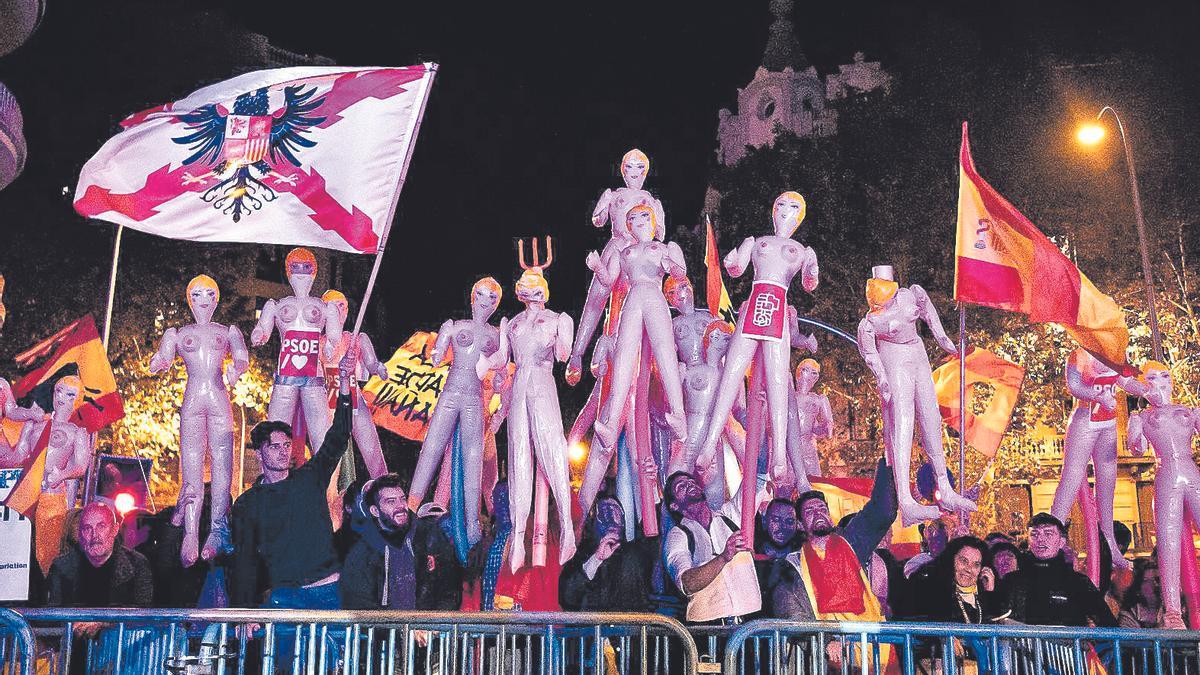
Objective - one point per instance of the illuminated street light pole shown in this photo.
(1091, 134)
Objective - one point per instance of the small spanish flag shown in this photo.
(74, 350)
(984, 431)
(1003, 261)
(716, 296)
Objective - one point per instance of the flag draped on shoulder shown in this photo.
(403, 403)
(74, 350)
(985, 431)
(1003, 261)
(306, 156)
(715, 294)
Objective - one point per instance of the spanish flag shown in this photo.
(985, 431)
(1003, 261)
(716, 296)
(74, 350)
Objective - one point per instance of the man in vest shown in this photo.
(704, 542)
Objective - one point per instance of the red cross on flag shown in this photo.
(305, 156)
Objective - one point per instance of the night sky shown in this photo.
(532, 108)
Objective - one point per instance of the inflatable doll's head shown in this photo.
(67, 392)
(485, 298)
(1159, 386)
(716, 341)
(679, 293)
(787, 213)
(203, 294)
(634, 167)
(641, 223)
(338, 300)
(881, 287)
(301, 268)
(807, 374)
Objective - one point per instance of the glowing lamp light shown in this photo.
(124, 503)
(1090, 134)
(577, 452)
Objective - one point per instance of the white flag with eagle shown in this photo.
(305, 156)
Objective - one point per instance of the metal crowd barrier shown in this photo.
(326, 642)
(16, 644)
(774, 647)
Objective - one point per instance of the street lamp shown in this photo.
(1091, 134)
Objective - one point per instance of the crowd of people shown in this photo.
(287, 553)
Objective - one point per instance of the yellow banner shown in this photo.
(404, 402)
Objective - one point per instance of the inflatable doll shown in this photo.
(644, 314)
(366, 436)
(700, 382)
(206, 419)
(534, 339)
(813, 418)
(10, 410)
(68, 455)
(890, 342)
(1169, 429)
(1091, 435)
(302, 321)
(612, 207)
(762, 335)
(468, 343)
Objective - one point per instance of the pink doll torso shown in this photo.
(896, 325)
(642, 265)
(203, 348)
(808, 408)
(60, 450)
(293, 313)
(1170, 430)
(778, 259)
(533, 334)
(689, 336)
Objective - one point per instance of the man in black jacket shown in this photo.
(607, 573)
(99, 572)
(1046, 590)
(282, 522)
(399, 562)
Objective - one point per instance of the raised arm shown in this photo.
(239, 355)
(165, 355)
(809, 272)
(333, 328)
(737, 260)
(566, 335)
(600, 213)
(868, 349)
(15, 412)
(441, 346)
(266, 324)
(368, 358)
(673, 262)
(929, 314)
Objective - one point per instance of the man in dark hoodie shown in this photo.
(1047, 590)
(400, 562)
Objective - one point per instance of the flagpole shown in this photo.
(962, 396)
(112, 285)
(413, 128)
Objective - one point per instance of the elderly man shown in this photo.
(1046, 590)
(99, 572)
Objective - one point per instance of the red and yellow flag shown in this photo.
(404, 402)
(74, 350)
(1003, 261)
(24, 495)
(985, 431)
(715, 294)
